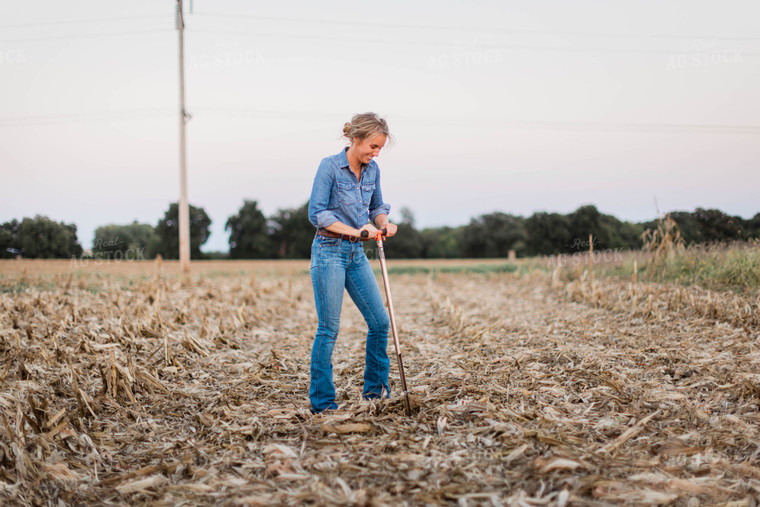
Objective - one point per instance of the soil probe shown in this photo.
(394, 330)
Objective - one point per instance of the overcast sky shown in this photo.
(496, 106)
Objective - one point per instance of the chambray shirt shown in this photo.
(338, 196)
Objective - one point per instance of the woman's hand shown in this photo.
(381, 221)
(371, 230)
(390, 229)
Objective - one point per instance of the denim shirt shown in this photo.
(338, 196)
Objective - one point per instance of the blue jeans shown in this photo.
(338, 264)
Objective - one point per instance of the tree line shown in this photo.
(288, 234)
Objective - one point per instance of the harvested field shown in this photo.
(132, 385)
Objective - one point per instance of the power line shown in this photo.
(515, 47)
(90, 35)
(52, 119)
(519, 31)
(79, 21)
(489, 122)
(637, 127)
(257, 113)
(518, 47)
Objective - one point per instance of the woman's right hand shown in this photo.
(371, 230)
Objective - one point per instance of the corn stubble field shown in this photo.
(126, 383)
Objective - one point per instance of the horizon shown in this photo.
(208, 251)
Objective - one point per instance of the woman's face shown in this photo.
(369, 148)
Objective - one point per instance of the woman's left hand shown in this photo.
(391, 229)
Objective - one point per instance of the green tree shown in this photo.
(292, 233)
(718, 226)
(407, 243)
(441, 242)
(42, 238)
(688, 226)
(130, 241)
(547, 233)
(585, 221)
(630, 235)
(493, 235)
(249, 237)
(753, 226)
(608, 231)
(8, 235)
(167, 231)
(706, 225)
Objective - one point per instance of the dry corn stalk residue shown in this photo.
(147, 388)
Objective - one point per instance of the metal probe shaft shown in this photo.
(394, 329)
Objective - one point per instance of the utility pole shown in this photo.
(184, 213)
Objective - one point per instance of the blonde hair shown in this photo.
(365, 125)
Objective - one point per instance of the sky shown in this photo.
(636, 107)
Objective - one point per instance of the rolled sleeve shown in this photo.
(324, 219)
(319, 201)
(385, 209)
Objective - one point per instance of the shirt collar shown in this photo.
(343, 159)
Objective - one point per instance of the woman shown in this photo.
(345, 200)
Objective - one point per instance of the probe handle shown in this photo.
(365, 234)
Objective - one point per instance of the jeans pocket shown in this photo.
(323, 248)
(325, 242)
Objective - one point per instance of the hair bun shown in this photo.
(365, 125)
